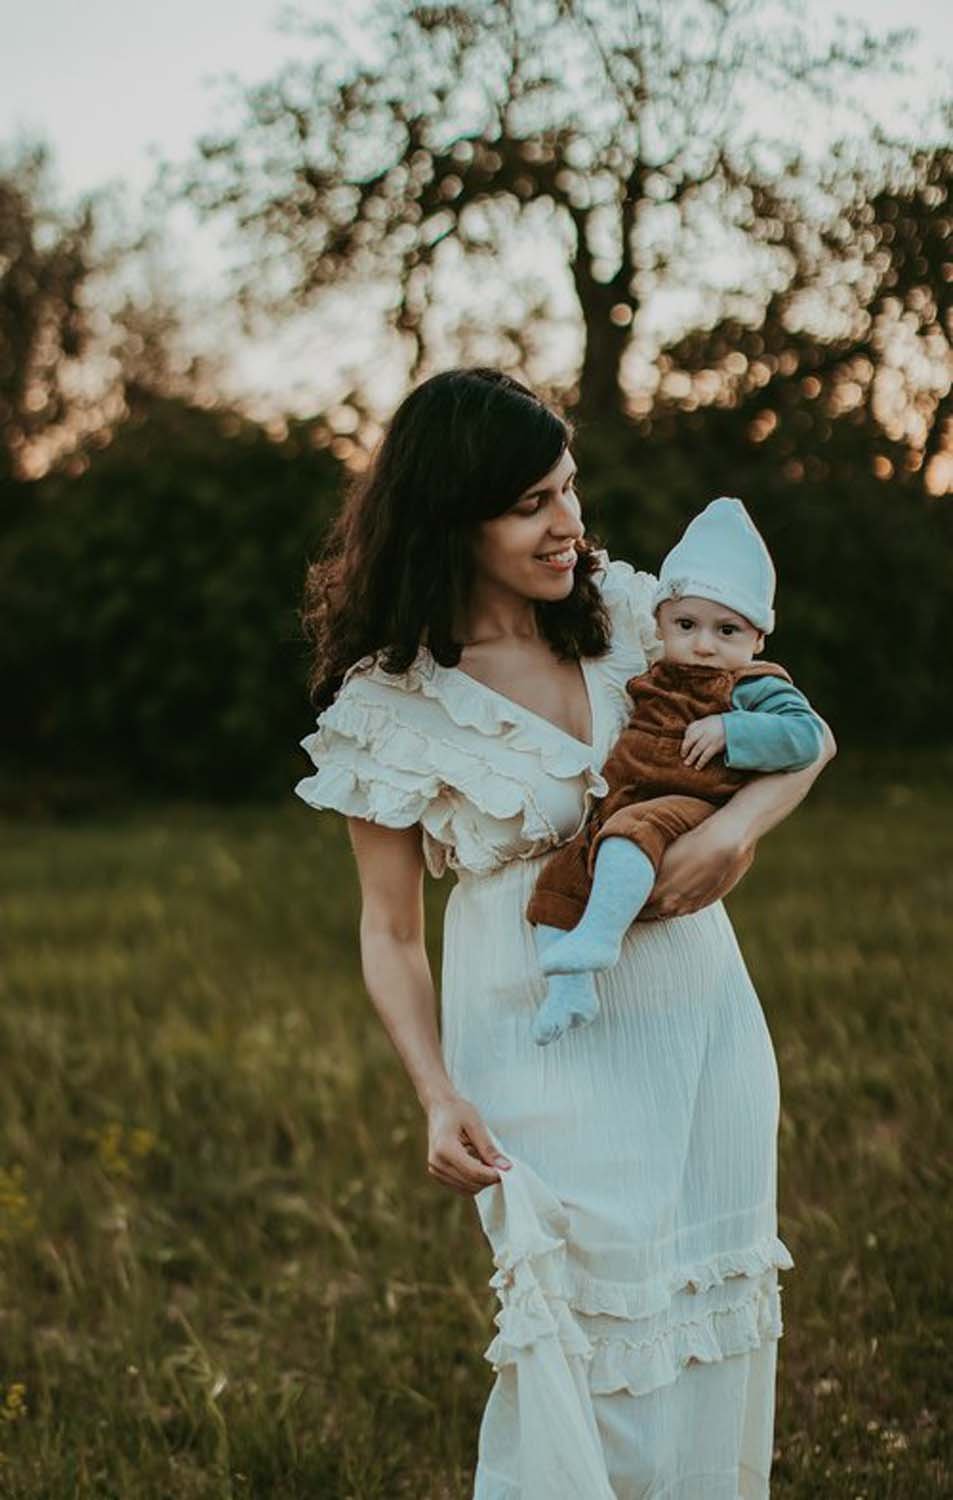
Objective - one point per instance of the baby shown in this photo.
(703, 717)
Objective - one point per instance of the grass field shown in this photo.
(224, 1270)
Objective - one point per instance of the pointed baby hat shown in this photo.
(722, 556)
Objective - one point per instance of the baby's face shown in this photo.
(703, 633)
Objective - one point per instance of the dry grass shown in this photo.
(224, 1271)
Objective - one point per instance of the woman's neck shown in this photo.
(498, 614)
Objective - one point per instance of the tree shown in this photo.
(793, 369)
(451, 130)
(90, 323)
(46, 326)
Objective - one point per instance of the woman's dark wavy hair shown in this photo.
(396, 566)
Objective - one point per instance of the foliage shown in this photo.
(154, 601)
(47, 259)
(864, 557)
(794, 365)
(152, 580)
(602, 139)
(224, 1269)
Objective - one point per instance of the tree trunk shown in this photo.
(600, 393)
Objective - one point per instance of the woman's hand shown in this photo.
(460, 1153)
(699, 867)
(704, 864)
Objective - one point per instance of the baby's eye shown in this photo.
(684, 621)
(730, 629)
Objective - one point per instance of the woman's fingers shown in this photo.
(477, 1140)
(465, 1160)
(679, 902)
(458, 1169)
(461, 1152)
(450, 1182)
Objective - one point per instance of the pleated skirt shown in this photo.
(635, 1239)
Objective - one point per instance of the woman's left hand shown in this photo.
(700, 867)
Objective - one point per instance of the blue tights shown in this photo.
(623, 877)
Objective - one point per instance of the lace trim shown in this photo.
(628, 593)
(642, 1366)
(559, 753)
(404, 775)
(395, 746)
(372, 764)
(538, 1297)
(539, 1294)
(622, 1299)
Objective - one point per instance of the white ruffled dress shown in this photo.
(635, 1236)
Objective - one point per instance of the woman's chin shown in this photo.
(558, 583)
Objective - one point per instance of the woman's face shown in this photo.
(511, 549)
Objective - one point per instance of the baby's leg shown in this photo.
(623, 878)
(570, 999)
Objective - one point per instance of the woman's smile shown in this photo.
(558, 561)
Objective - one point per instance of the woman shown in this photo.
(471, 652)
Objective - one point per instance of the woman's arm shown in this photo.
(397, 974)
(702, 866)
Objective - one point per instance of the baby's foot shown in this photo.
(579, 950)
(570, 1001)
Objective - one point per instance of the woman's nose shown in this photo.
(569, 522)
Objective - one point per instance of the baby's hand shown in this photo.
(702, 739)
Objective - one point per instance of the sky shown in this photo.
(112, 85)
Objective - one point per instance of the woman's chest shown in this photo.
(531, 677)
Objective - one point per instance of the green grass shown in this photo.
(224, 1269)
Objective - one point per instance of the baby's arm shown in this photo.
(771, 727)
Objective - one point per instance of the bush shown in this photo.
(152, 632)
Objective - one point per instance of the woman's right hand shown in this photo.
(460, 1153)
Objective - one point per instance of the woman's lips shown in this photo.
(560, 563)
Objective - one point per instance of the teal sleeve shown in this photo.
(772, 727)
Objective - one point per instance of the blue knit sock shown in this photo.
(570, 999)
(622, 880)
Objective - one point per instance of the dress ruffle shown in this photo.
(635, 646)
(626, 1299)
(642, 1365)
(538, 1335)
(372, 764)
(550, 1318)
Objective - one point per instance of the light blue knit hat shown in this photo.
(722, 556)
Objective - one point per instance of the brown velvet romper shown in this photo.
(653, 795)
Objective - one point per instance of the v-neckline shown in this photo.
(589, 745)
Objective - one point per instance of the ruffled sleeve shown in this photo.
(486, 782)
(628, 595)
(368, 762)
